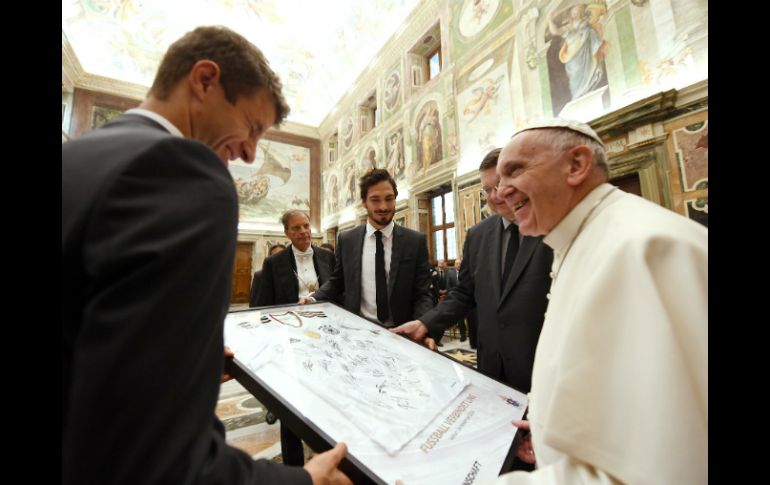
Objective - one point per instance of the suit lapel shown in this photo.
(395, 256)
(286, 276)
(320, 268)
(494, 235)
(524, 254)
(355, 273)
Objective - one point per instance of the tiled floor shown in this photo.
(244, 416)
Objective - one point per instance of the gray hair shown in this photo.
(564, 139)
(289, 214)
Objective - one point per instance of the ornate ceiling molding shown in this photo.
(71, 70)
(73, 76)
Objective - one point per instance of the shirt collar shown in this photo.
(158, 119)
(386, 231)
(566, 230)
(297, 252)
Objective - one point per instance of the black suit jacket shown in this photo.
(409, 293)
(279, 282)
(510, 318)
(254, 290)
(449, 278)
(149, 227)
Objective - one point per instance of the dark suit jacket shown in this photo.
(254, 290)
(510, 318)
(409, 293)
(149, 228)
(279, 282)
(449, 278)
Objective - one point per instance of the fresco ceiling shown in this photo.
(317, 48)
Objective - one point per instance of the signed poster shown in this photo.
(397, 405)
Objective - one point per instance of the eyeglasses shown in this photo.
(488, 190)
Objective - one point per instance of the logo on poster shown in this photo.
(510, 401)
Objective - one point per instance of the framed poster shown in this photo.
(333, 376)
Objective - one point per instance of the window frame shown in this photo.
(444, 226)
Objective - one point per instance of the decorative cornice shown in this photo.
(467, 179)
(693, 94)
(74, 76)
(298, 129)
(649, 110)
(658, 107)
(108, 85)
(436, 175)
(71, 70)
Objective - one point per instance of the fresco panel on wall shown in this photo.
(391, 92)
(576, 54)
(484, 111)
(469, 18)
(278, 180)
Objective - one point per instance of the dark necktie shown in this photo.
(379, 277)
(510, 253)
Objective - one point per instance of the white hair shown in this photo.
(564, 139)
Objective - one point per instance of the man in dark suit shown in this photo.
(149, 229)
(510, 310)
(447, 279)
(286, 275)
(257, 278)
(382, 268)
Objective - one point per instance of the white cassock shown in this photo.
(620, 379)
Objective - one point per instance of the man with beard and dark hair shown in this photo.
(382, 268)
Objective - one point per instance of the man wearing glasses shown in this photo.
(505, 277)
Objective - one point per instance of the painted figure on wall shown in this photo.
(333, 199)
(394, 149)
(484, 96)
(369, 161)
(280, 175)
(475, 15)
(577, 51)
(347, 132)
(350, 186)
(392, 90)
(429, 136)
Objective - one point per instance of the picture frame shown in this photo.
(330, 376)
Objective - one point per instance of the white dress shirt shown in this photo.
(307, 279)
(368, 281)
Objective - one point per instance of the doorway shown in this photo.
(242, 272)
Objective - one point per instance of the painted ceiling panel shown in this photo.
(317, 48)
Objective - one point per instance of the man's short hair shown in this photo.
(289, 214)
(490, 159)
(244, 69)
(373, 177)
(275, 246)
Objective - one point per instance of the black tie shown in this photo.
(510, 253)
(379, 277)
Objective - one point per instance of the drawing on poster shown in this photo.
(360, 369)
